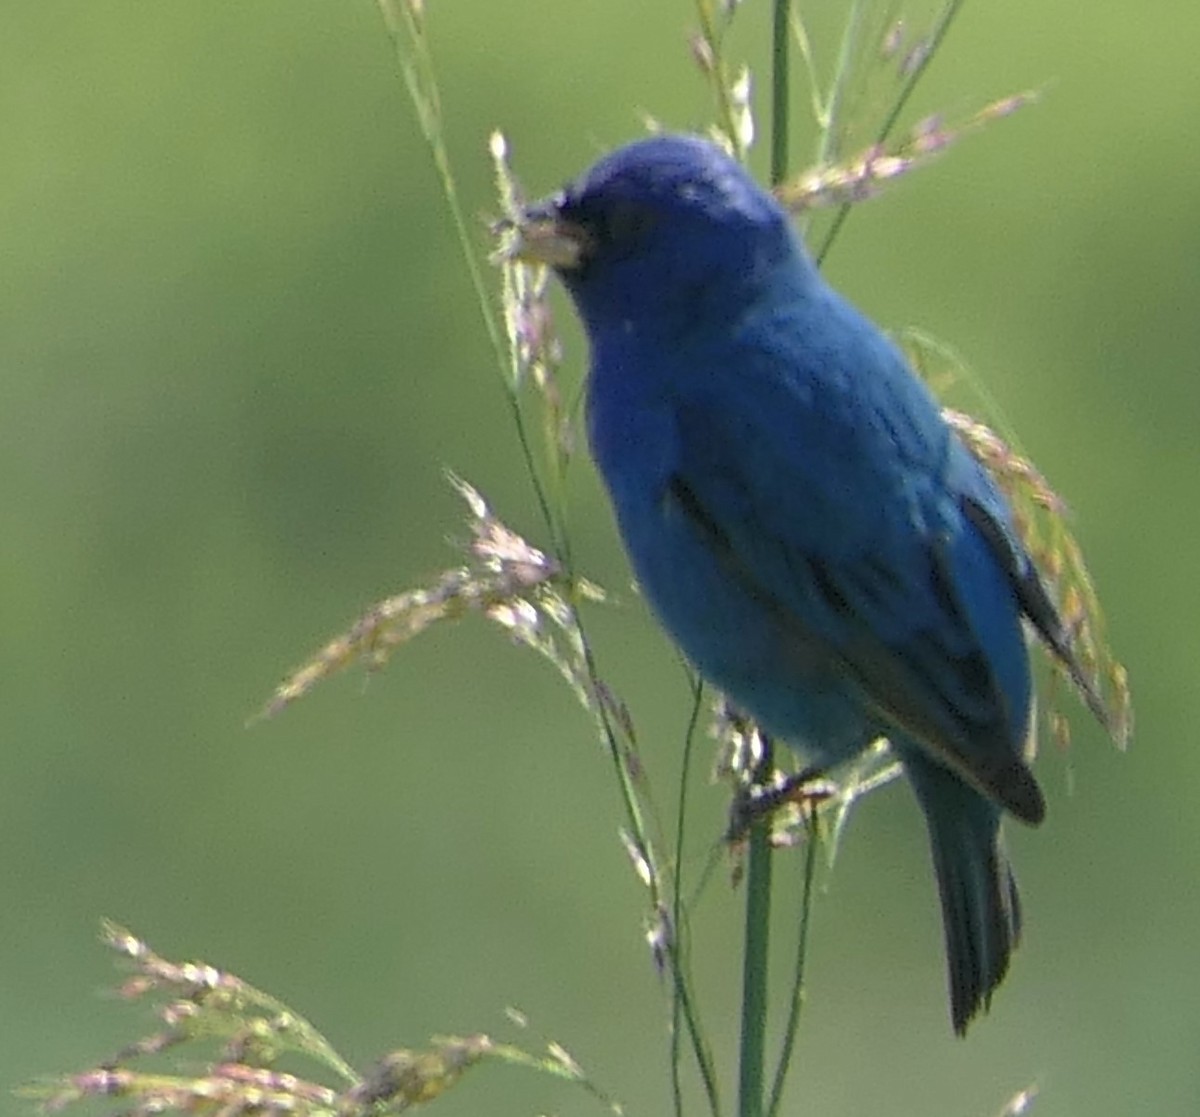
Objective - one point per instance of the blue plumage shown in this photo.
(801, 518)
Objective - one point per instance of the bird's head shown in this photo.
(661, 234)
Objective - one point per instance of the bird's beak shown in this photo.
(540, 235)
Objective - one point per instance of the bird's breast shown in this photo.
(735, 639)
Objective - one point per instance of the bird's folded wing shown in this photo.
(842, 532)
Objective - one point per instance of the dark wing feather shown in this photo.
(1037, 606)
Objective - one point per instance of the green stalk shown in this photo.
(752, 1055)
(780, 90)
(757, 926)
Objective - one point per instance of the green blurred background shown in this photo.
(238, 348)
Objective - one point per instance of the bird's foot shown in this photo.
(754, 803)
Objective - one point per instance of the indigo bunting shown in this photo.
(806, 526)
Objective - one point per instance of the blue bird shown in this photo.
(804, 523)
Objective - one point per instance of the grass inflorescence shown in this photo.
(230, 1037)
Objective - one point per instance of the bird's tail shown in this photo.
(981, 911)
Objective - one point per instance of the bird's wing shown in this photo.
(829, 505)
(1036, 603)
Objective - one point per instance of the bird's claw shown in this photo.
(808, 787)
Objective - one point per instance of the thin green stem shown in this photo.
(720, 82)
(804, 42)
(635, 820)
(788, 1045)
(780, 92)
(936, 37)
(828, 141)
(828, 109)
(407, 33)
(682, 1007)
(687, 1008)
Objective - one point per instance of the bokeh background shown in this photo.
(238, 347)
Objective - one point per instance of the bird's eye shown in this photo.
(626, 223)
(616, 226)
